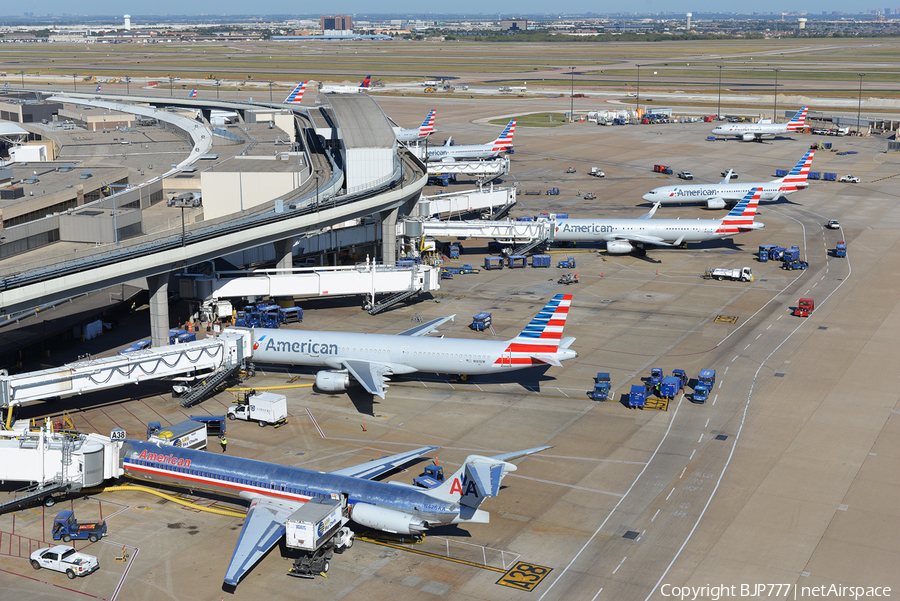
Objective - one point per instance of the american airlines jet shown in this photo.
(341, 89)
(490, 150)
(716, 196)
(296, 94)
(624, 235)
(193, 93)
(755, 131)
(276, 491)
(370, 359)
(419, 133)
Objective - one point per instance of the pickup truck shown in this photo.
(833, 224)
(685, 175)
(849, 179)
(65, 559)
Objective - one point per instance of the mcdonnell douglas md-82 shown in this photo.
(371, 358)
(624, 235)
(276, 491)
(716, 196)
(755, 131)
(490, 150)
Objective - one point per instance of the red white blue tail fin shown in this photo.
(796, 179)
(740, 218)
(366, 82)
(193, 93)
(427, 127)
(504, 140)
(98, 89)
(798, 122)
(297, 94)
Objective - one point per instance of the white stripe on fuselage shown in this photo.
(405, 354)
(668, 230)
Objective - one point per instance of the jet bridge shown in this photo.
(366, 278)
(490, 201)
(480, 171)
(507, 232)
(209, 355)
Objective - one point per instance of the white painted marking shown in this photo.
(735, 357)
(714, 399)
(597, 595)
(807, 291)
(620, 564)
(726, 371)
(758, 335)
(642, 534)
(816, 284)
(779, 317)
(746, 347)
(564, 394)
(770, 325)
(699, 439)
(670, 494)
(654, 516)
(683, 470)
(823, 277)
(707, 422)
(692, 454)
(721, 382)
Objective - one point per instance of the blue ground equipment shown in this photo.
(481, 322)
(705, 382)
(638, 396)
(601, 387)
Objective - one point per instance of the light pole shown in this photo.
(218, 83)
(75, 81)
(171, 86)
(639, 93)
(22, 73)
(859, 102)
(719, 109)
(775, 108)
(127, 85)
(270, 92)
(572, 96)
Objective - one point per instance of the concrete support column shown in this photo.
(389, 236)
(159, 309)
(283, 253)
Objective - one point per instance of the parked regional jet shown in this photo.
(756, 131)
(276, 491)
(296, 94)
(624, 235)
(341, 89)
(716, 196)
(448, 153)
(370, 358)
(419, 133)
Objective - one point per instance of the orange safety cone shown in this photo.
(364, 425)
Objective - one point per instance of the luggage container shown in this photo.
(516, 261)
(540, 261)
(638, 396)
(481, 322)
(493, 263)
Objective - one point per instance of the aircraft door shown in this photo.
(506, 358)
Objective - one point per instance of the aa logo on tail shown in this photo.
(459, 486)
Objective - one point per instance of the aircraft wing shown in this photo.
(263, 528)
(427, 327)
(370, 375)
(646, 239)
(517, 454)
(652, 211)
(376, 467)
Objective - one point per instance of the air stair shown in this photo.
(392, 300)
(212, 385)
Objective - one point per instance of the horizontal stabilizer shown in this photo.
(549, 360)
(376, 467)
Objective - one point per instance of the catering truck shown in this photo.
(262, 408)
(319, 530)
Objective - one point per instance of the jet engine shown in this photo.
(715, 203)
(332, 381)
(748, 137)
(388, 520)
(619, 247)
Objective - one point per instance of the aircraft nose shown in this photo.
(650, 196)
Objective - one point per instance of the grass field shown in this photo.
(534, 120)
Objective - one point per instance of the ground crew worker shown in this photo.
(224, 444)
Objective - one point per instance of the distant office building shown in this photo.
(513, 25)
(336, 22)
